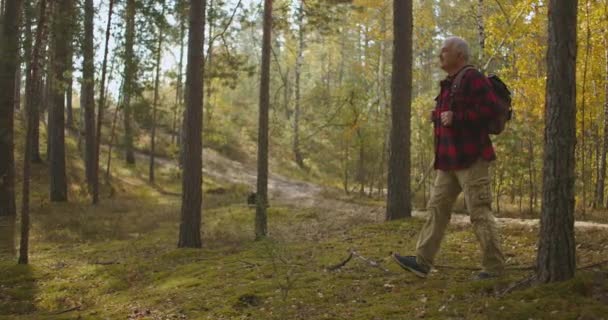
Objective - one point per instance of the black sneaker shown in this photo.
(409, 263)
(484, 276)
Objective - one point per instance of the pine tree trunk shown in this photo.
(34, 96)
(8, 66)
(87, 92)
(101, 106)
(155, 105)
(208, 108)
(178, 90)
(192, 178)
(61, 42)
(556, 259)
(481, 30)
(129, 73)
(399, 195)
(32, 87)
(70, 83)
(261, 224)
(18, 87)
(298, 73)
(602, 175)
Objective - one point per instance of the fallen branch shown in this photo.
(593, 265)
(370, 262)
(67, 310)
(526, 282)
(341, 264)
(353, 253)
(249, 264)
(106, 263)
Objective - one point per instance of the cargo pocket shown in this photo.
(479, 194)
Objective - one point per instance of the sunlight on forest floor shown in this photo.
(119, 261)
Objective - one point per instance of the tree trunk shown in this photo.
(398, 198)
(298, 73)
(583, 104)
(8, 65)
(87, 92)
(129, 73)
(192, 179)
(61, 42)
(178, 90)
(111, 142)
(34, 96)
(101, 106)
(18, 87)
(602, 175)
(556, 259)
(155, 106)
(70, 81)
(261, 224)
(361, 173)
(32, 88)
(208, 108)
(531, 175)
(481, 30)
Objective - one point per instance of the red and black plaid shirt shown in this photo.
(466, 140)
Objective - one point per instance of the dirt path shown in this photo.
(331, 213)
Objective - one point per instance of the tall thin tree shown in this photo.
(101, 105)
(156, 87)
(556, 259)
(192, 177)
(61, 23)
(297, 152)
(32, 87)
(129, 74)
(398, 202)
(88, 94)
(9, 58)
(261, 224)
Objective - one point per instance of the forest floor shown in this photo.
(119, 260)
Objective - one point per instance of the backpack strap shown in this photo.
(456, 83)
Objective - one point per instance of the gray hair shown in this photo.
(460, 45)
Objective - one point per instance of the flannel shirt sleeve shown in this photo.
(481, 103)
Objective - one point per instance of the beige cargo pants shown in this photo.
(475, 181)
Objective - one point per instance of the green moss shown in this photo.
(120, 258)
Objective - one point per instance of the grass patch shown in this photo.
(119, 260)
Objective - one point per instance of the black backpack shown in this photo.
(496, 125)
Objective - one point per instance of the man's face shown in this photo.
(448, 58)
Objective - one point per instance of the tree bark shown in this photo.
(129, 73)
(398, 198)
(298, 73)
(62, 18)
(101, 106)
(192, 178)
(179, 90)
(18, 87)
(602, 173)
(261, 224)
(481, 30)
(9, 60)
(88, 94)
(8, 66)
(556, 259)
(34, 96)
(155, 105)
(32, 88)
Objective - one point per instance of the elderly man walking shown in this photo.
(463, 151)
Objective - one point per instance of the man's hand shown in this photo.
(446, 118)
